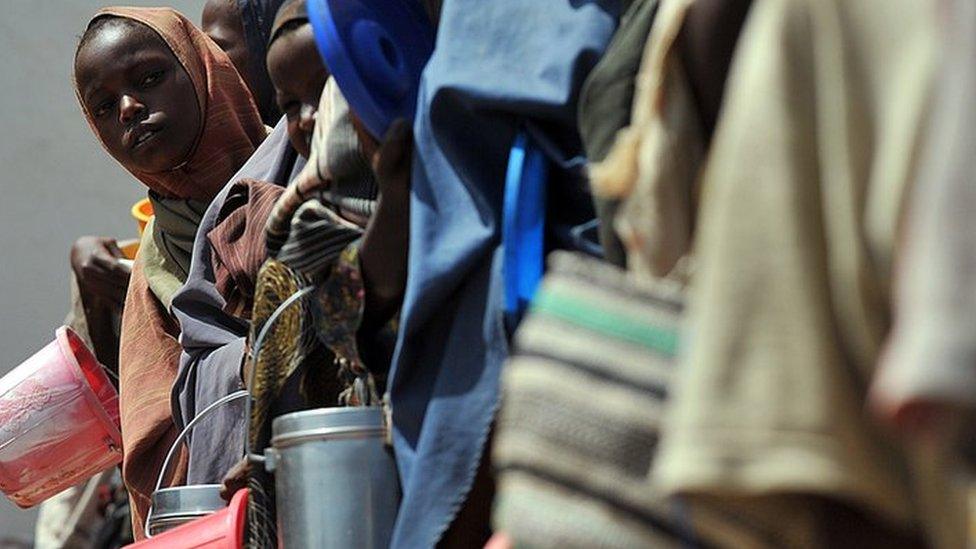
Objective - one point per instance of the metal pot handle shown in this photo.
(179, 439)
(231, 397)
(258, 343)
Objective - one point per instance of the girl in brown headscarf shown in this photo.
(167, 104)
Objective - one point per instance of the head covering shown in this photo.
(257, 19)
(291, 11)
(231, 127)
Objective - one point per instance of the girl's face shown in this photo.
(141, 100)
(298, 75)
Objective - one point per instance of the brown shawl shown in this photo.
(238, 242)
(150, 351)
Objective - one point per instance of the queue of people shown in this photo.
(636, 273)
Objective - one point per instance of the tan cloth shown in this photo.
(160, 271)
(789, 305)
(72, 518)
(655, 163)
(149, 359)
(932, 349)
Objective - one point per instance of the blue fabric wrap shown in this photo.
(497, 65)
(213, 340)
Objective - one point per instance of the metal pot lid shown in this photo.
(198, 499)
(368, 419)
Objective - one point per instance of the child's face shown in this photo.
(141, 100)
(222, 23)
(298, 75)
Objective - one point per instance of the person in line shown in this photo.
(297, 72)
(925, 387)
(242, 28)
(808, 175)
(214, 307)
(170, 107)
(498, 67)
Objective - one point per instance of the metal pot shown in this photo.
(336, 482)
(174, 507)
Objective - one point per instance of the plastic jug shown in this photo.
(221, 530)
(59, 421)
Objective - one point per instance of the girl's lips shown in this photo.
(141, 135)
(142, 139)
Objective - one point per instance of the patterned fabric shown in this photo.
(231, 127)
(337, 172)
(315, 228)
(238, 242)
(583, 395)
(322, 248)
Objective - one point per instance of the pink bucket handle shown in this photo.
(89, 369)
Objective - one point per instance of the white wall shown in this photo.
(56, 183)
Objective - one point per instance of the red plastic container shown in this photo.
(59, 421)
(221, 530)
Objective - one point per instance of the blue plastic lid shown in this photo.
(376, 51)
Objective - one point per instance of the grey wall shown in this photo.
(56, 183)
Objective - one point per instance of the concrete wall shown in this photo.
(56, 183)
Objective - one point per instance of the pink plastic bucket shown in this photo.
(59, 421)
(221, 530)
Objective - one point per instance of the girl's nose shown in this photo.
(129, 109)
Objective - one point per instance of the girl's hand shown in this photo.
(101, 275)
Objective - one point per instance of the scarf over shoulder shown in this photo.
(231, 129)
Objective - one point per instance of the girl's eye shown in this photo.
(103, 108)
(151, 79)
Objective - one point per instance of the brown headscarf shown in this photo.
(290, 12)
(150, 351)
(232, 126)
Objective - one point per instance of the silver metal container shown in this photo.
(336, 483)
(174, 507)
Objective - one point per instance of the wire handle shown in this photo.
(229, 398)
(258, 343)
(179, 439)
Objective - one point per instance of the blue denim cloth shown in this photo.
(498, 65)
